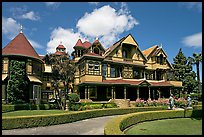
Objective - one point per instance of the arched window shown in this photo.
(96, 50)
(124, 54)
(161, 59)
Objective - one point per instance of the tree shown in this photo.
(183, 72)
(17, 84)
(196, 60)
(63, 70)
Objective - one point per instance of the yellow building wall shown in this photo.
(91, 78)
(130, 40)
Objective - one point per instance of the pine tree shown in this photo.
(183, 72)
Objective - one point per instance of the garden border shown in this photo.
(116, 126)
(13, 122)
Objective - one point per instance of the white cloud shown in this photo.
(23, 13)
(30, 15)
(53, 5)
(106, 23)
(35, 44)
(194, 40)
(67, 36)
(192, 5)
(10, 28)
(94, 3)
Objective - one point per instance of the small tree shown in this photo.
(63, 70)
(17, 84)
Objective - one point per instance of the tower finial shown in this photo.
(21, 29)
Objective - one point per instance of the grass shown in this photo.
(33, 112)
(178, 126)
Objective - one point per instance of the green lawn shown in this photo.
(178, 126)
(33, 112)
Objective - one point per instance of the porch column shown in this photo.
(144, 75)
(155, 75)
(169, 91)
(124, 92)
(149, 94)
(112, 93)
(159, 93)
(138, 93)
(88, 92)
(85, 92)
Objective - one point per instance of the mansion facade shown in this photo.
(122, 71)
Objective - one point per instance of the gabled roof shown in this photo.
(148, 51)
(97, 42)
(115, 45)
(20, 46)
(60, 47)
(79, 43)
(85, 45)
(111, 48)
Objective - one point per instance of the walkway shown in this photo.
(93, 126)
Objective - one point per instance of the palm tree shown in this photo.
(196, 60)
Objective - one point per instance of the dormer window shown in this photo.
(124, 53)
(96, 50)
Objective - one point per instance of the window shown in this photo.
(93, 68)
(96, 67)
(136, 74)
(124, 53)
(36, 92)
(92, 92)
(138, 56)
(161, 59)
(96, 50)
(112, 71)
(116, 53)
(5, 66)
(104, 70)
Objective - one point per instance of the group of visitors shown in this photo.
(171, 101)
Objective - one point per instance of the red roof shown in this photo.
(86, 44)
(79, 43)
(96, 41)
(60, 47)
(122, 81)
(162, 83)
(133, 82)
(20, 46)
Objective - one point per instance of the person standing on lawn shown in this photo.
(171, 101)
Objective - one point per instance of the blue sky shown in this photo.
(173, 25)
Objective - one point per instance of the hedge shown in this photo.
(116, 126)
(9, 108)
(54, 119)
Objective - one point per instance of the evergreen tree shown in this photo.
(196, 60)
(17, 84)
(183, 72)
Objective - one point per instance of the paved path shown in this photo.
(93, 126)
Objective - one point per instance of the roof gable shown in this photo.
(130, 40)
(148, 51)
(20, 46)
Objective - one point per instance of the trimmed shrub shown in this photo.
(53, 119)
(73, 97)
(9, 108)
(117, 125)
